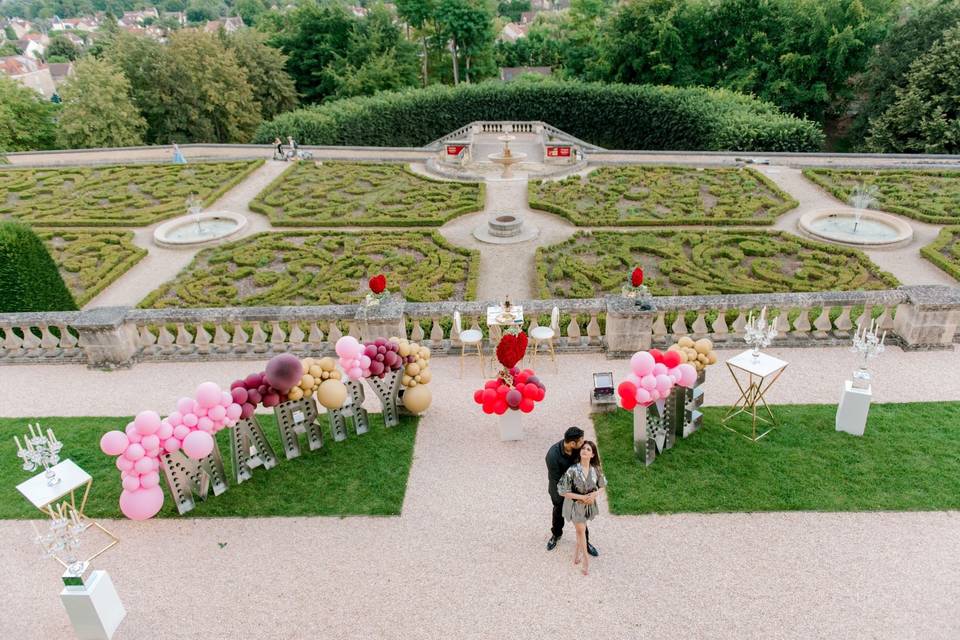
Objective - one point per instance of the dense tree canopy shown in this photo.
(26, 119)
(97, 109)
(264, 66)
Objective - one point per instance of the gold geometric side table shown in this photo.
(762, 371)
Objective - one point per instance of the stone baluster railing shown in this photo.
(914, 317)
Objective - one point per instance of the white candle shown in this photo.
(17, 440)
(884, 337)
(763, 315)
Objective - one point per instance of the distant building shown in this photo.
(178, 16)
(509, 73)
(136, 18)
(74, 24)
(20, 27)
(358, 12)
(513, 31)
(60, 71)
(32, 48)
(230, 25)
(29, 73)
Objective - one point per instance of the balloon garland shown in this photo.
(512, 389)
(698, 353)
(652, 377)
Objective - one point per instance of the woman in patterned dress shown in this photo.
(580, 486)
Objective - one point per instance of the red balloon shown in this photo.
(478, 396)
(488, 407)
(502, 391)
(541, 393)
(526, 405)
(491, 384)
(489, 395)
(672, 359)
(627, 389)
(500, 407)
(628, 402)
(530, 391)
(657, 355)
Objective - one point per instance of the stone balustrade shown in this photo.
(914, 317)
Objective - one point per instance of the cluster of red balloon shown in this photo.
(497, 396)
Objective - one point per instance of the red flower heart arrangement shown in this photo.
(378, 283)
(511, 349)
(636, 278)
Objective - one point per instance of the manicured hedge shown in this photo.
(945, 251)
(647, 196)
(343, 194)
(29, 279)
(89, 261)
(700, 262)
(316, 268)
(614, 116)
(928, 196)
(113, 196)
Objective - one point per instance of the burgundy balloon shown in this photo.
(283, 372)
(239, 394)
(253, 380)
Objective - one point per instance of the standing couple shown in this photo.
(576, 478)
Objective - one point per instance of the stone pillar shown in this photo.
(629, 326)
(929, 319)
(107, 338)
(383, 320)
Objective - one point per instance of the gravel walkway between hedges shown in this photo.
(162, 264)
(466, 559)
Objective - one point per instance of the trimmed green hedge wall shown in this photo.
(29, 279)
(614, 116)
(945, 251)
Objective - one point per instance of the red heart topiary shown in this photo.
(378, 283)
(511, 349)
(636, 278)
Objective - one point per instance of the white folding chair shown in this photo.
(468, 337)
(547, 334)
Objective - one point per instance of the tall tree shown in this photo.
(272, 87)
(469, 27)
(419, 14)
(97, 109)
(26, 119)
(926, 115)
(143, 62)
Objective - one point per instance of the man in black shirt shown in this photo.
(559, 458)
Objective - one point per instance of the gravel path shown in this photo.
(466, 558)
(162, 264)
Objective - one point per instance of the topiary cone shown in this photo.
(29, 278)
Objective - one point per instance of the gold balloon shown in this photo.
(404, 349)
(328, 364)
(334, 375)
(405, 380)
(332, 394)
(307, 382)
(424, 376)
(413, 369)
(417, 399)
(424, 353)
(315, 370)
(295, 394)
(703, 345)
(685, 341)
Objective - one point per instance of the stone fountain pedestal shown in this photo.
(505, 228)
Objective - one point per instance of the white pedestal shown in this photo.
(95, 609)
(511, 426)
(853, 409)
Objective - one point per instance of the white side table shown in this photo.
(762, 371)
(94, 609)
(853, 409)
(44, 497)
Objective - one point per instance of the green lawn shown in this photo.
(365, 475)
(908, 460)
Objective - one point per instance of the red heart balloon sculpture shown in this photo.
(378, 283)
(511, 349)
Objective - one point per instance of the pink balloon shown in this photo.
(643, 396)
(147, 422)
(226, 398)
(114, 443)
(131, 483)
(208, 394)
(175, 419)
(234, 412)
(205, 424)
(659, 369)
(648, 382)
(198, 444)
(142, 503)
(355, 373)
(641, 363)
(124, 464)
(185, 405)
(200, 412)
(190, 420)
(181, 432)
(654, 395)
(688, 375)
(156, 463)
(150, 442)
(217, 413)
(132, 434)
(143, 465)
(150, 480)
(171, 445)
(348, 347)
(664, 384)
(165, 430)
(134, 452)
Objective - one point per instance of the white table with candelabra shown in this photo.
(857, 393)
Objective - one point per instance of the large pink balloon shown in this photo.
(641, 363)
(643, 396)
(348, 347)
(141, 504)
(648, 382)
(147, 422)
(185, 405)
(198, 444)
(208, 395)
(659, 369)
(113, 443)
(664, 384)
(688, 375)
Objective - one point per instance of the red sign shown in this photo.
(558, 152)
(455, 149)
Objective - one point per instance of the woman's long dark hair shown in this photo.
(595, 460)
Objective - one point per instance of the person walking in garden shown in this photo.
(579, 488)
(278, 144)
(178, 155)
(559, 458)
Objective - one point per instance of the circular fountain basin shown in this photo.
(193, 230)
(505, 228)
(874, 228)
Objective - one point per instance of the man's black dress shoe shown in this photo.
(552, 542)
(592, 550)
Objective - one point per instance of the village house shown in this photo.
(87, 24)
(230, 25)
(29, 73)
